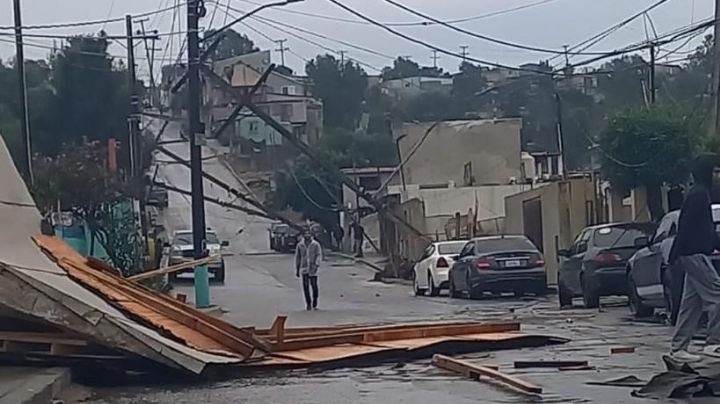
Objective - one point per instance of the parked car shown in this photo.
(181, 250)
(649, 276)
(498, 264)
(431, 271)
(595, 264)
(283, 238)
(157, 196)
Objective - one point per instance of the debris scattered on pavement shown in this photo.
(485, 373)
(622, 350)
(549, 364)
(625, 381)
(683, 380)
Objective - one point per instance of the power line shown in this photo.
(91, 22)
(480, 36)
(412, 24)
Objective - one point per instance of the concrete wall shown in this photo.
(491, 146)
(564, 213)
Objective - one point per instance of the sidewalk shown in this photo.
(22, 385)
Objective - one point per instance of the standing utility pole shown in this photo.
(434, 58)
(20, 66)
(196, 8)
(653, 87)
(342, 58)
(135, 140)
(150, 54)
(282, 49)
(716, 70)
(465, 52)
(560, 143)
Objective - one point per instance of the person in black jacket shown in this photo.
(696, 239)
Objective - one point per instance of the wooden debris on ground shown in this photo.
(483, 373)
(553, 364)
(622, 350)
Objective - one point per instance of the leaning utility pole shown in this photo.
(195, 9)
(716, 71)
(20, 66)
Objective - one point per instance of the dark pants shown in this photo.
(310, 282)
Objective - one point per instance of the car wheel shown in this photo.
(416, 287)
(591, 296)
(434, 290)
(220, 274)
(637, 308)
(565, 296)
(452, 291)
(473, 293)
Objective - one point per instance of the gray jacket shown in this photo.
(307, 257)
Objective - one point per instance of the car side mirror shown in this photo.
(642, 242)
(225, 243)
(455, 257)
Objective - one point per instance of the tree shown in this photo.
(77, 178)
(467, 87)
(402, 68)
(341, 88)
(91, 96)
(648, 147)
(233, 44)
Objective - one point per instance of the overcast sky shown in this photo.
(552, 24)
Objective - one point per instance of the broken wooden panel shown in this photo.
(482, 373)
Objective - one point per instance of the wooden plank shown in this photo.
(476, 371)
(307, 343)
(169, 270)
(353, 328)
(405, 331)
(622, 350)
(440, 331)
(279, 328)
(41, 338)
(550, 364)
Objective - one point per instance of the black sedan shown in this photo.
(651, 282)
(497, 264)
(595, 264)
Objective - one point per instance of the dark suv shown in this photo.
(595, 264)
(651, 283)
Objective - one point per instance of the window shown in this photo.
(505, 244)
(288, 90)
(468, 250)
(370, 183)
(286, 113)
(253, 127)
(620, 236)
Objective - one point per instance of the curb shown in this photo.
(40, 388)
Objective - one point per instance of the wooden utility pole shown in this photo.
(716, 70)
(150, 54)
(133, 121)
(560, 142)
(465, 52)
(282, 48)
(434, 58)
(195, 9)
(22, 87)
(653, 86)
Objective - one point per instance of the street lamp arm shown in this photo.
(248, 14)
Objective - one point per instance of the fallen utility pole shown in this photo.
(305, 149)
(270, 213)
(216, 201)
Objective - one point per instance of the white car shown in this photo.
(181, 250)
(431, 271)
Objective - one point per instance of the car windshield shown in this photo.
(187, 238)
(617, 236)
(451, 248)
(505, 244)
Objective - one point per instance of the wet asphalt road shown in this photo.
(259, 287)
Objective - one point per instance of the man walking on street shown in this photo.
(696, 239)
(307, 260)
(358, 238)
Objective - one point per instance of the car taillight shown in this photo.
(605, 257)
(442, 263)
(539, 263)
(482, 264)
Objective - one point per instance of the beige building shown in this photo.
(464, 152)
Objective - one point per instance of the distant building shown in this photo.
(285, 98)
(464, 152)
(669, 70)
(410, 87)
(499, 75)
